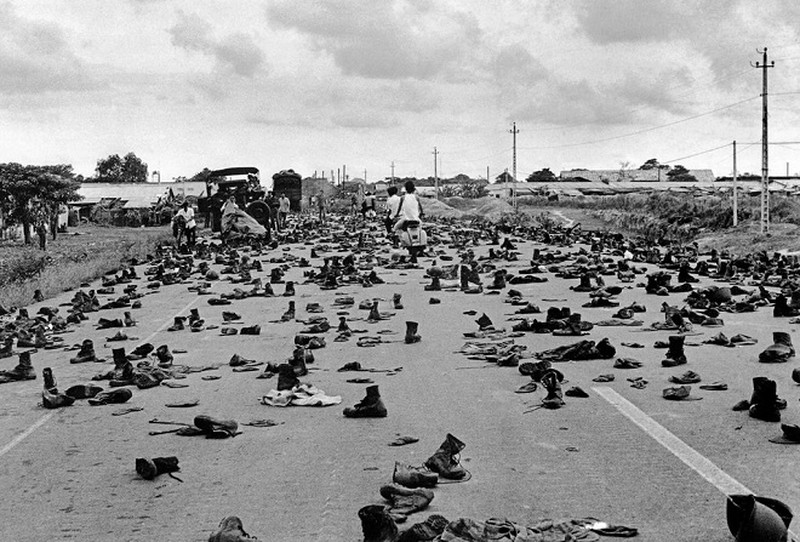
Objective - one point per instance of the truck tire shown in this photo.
(260, 211)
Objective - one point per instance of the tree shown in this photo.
(543, 175)
(681, 174)
(651, 164)
(504, 177)
(31, 194)
(114, 169)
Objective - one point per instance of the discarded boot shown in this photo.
(370, 407)
(376, 524)
(374, 313)
(675, 355)
(117, 396)
(413, 477)
(140, 352)
(289, 292)
(255, 329)
(411, 333)
(780, 351)
(289, 314)
(405, 501)
(23, 371)
(150, 468)
(86, 353)
(484, 322)
(50, 396)
(287, 379)
(445, 462)
(757, 519)
(396, 301)
(764, 403)
(231, 530)
(214, 428)
(82, 391)
(425, 531)
(165, 357)
(128, 320)
(554, 398)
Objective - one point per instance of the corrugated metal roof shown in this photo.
(137, 195)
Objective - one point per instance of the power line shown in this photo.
(645, 130)
(696, 154)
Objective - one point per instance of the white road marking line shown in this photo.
(22, 436)
(699, 463)
(41, 421)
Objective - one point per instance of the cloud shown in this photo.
(236, 53)
(385, 40)
(35, 57)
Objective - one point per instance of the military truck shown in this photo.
(244, 184)
(288, 182)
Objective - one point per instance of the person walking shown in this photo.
(283, 210)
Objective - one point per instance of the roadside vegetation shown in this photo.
(86, 253)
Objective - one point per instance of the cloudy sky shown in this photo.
(314, 85)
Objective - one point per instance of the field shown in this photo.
(83, 254)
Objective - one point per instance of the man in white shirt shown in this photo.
(410, 207)
(283, 210)
(392, 206)
(190, 226)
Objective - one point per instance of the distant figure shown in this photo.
(353, 205)
(273, 204)
(186, 213)
(322, 206)
(283, 210)
(41, 232)
(410, 207)
(369, 205)
(392, 208)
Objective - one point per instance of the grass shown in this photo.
(82, 255)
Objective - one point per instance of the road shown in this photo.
(69, 474)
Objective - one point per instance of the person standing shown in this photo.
(283, 210)
(273, 204)
(322, 206)
(190, 226)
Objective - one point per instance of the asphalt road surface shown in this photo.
(68, 474)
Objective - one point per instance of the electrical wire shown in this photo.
(696, 154)
(644, 130)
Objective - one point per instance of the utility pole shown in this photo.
(487, 175)
(365, 175)
(764, 143)
(436, 172)
(735, 195)
(392, 172)
(514, 133)
(344, 174)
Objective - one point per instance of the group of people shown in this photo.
(399, 210)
